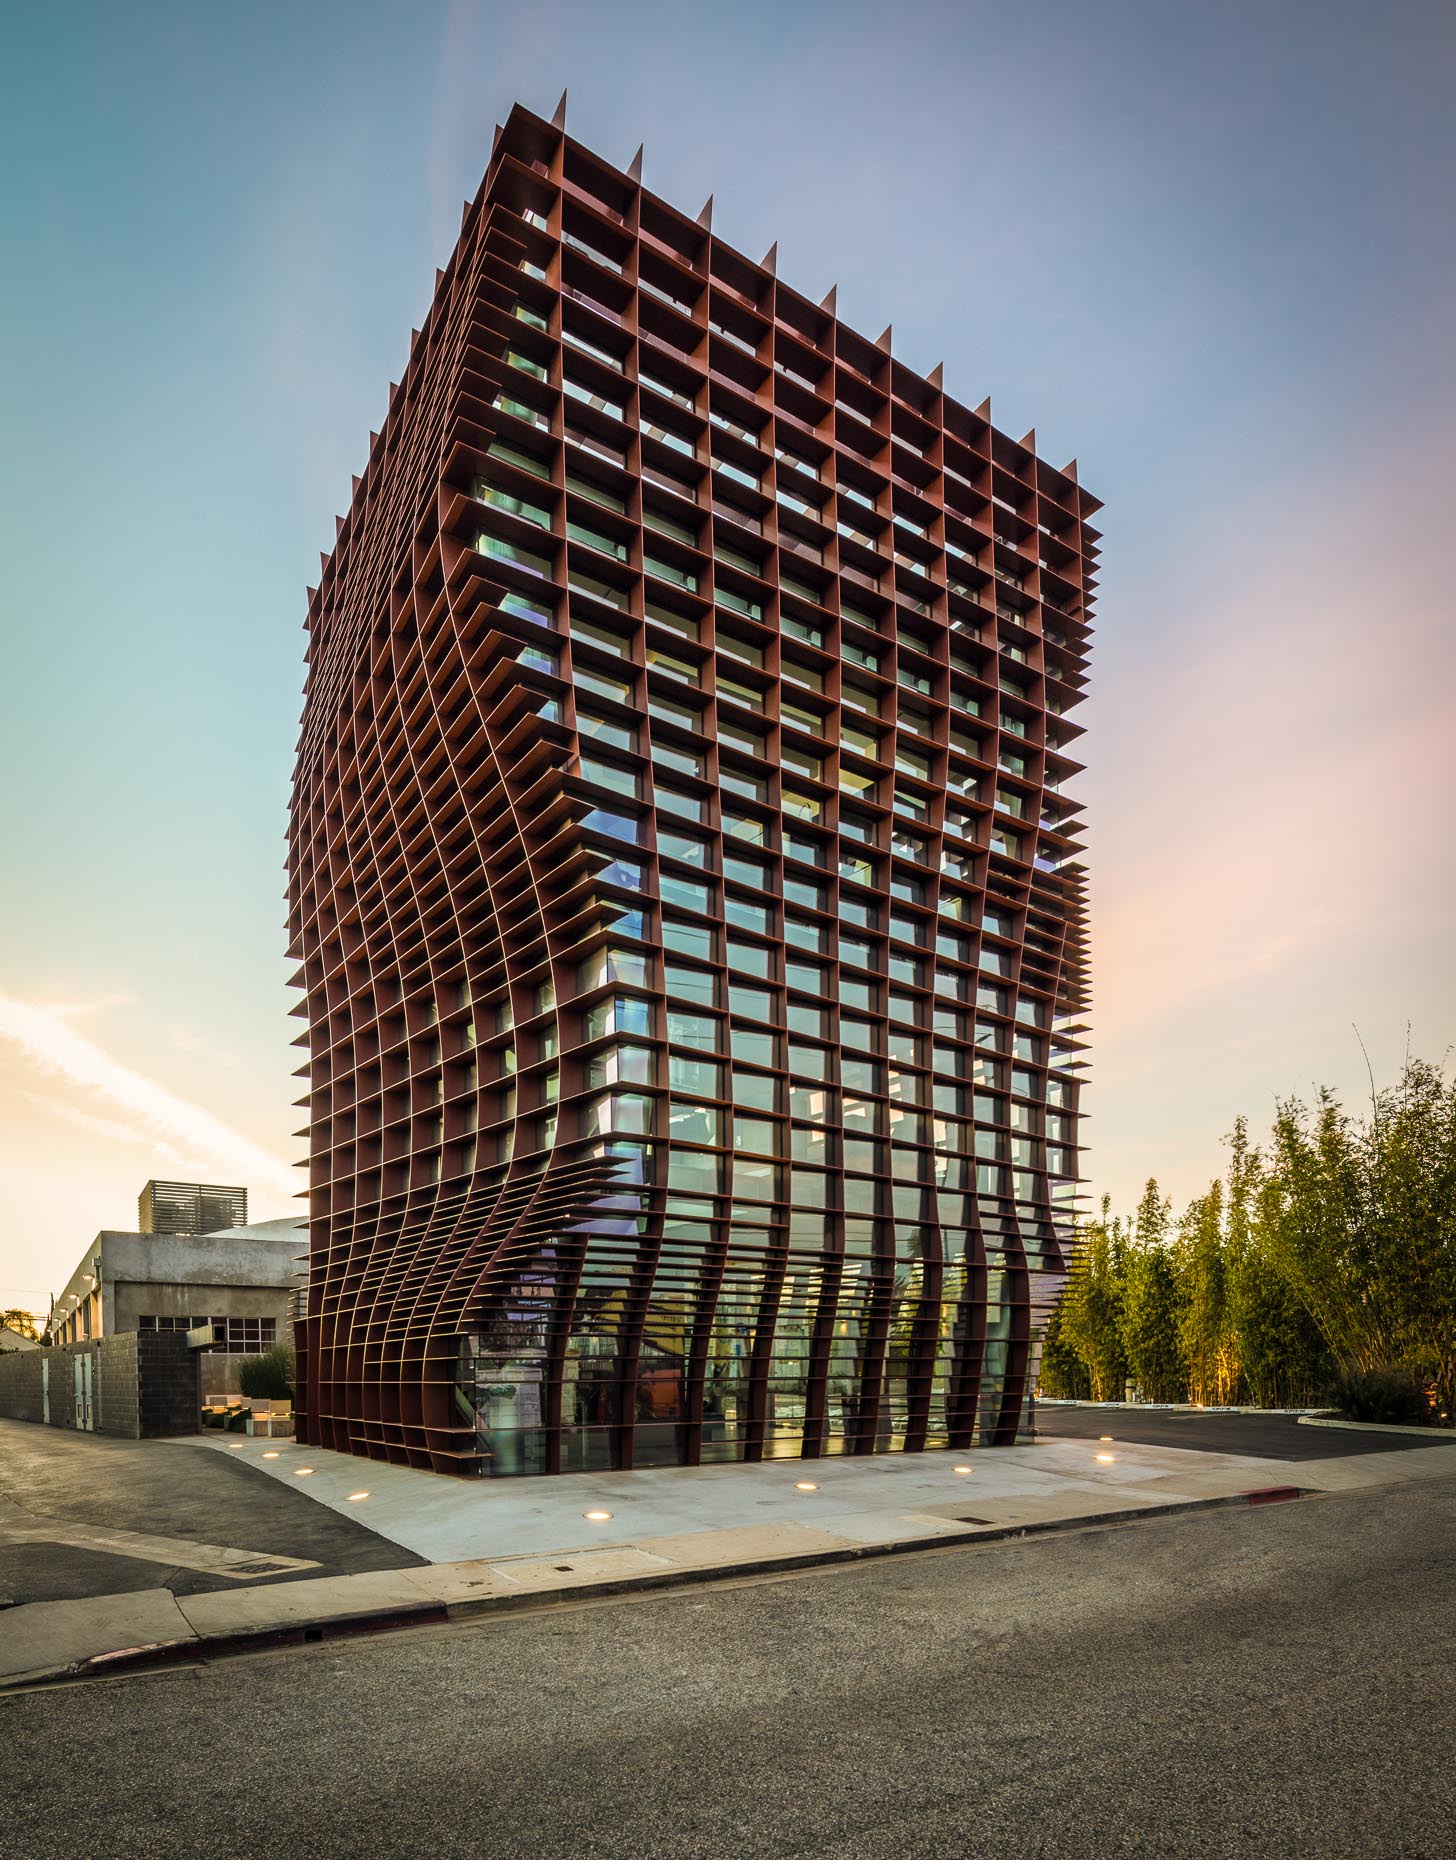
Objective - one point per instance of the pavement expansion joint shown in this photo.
(176, 1552)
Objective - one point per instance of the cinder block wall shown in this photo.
(168, 1381)
(143, 1386)
(20, 1383)
(118, 1398)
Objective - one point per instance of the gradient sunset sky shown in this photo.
(1210, 251)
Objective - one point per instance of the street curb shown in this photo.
(859, 1553)
(1437, 1435)
(347, 1624)
(1172, 1407)
(340, 1626)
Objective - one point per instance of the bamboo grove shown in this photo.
(1320, 1262)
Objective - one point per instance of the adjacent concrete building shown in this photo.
(239, 1282)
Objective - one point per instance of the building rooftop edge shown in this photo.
(521, 118)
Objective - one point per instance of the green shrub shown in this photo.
(1395, 1397)
(268, 1377)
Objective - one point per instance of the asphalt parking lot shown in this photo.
(87, 1487)
(1266, 1436)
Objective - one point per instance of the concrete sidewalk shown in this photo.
(513, 1543)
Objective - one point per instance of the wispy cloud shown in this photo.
(74, 1010)
(109, 1129)
(45, 1034)
(188, 1040)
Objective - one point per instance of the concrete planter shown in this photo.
(265, 1426)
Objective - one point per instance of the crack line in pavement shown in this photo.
(209, 1559)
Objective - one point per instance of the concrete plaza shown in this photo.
(769, 1508)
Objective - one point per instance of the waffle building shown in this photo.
(686, 895)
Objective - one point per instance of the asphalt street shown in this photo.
(1267, 1436)
(81, 1483)
(1270, 1681)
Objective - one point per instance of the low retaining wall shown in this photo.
(140, 1385)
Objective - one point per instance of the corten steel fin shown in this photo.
(687, 904)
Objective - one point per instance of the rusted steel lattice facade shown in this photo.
(687, 901)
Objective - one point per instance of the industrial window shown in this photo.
(228, 1333)
(235, 1333)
